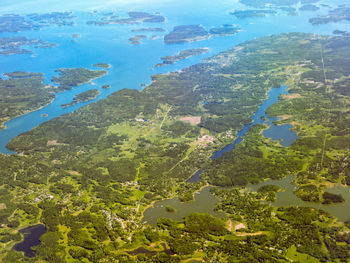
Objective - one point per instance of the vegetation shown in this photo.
(226, 30)
(134, 18)
(89, 175)
(309, 8)
(102, 65)
(22, 92)
(265, 3)
(83, 97)
(71, 77)
(336, 15)
(182, 55)
(148, 29)
(252, 13)
(136, 40)
(15, 45)
(186, 33)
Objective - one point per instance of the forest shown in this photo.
(90, 180)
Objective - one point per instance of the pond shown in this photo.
(32, 236)
(204, 202)
(287, 197)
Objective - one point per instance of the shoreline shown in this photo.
(3, 124)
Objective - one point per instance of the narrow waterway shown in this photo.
(204, 201)
(275, 132)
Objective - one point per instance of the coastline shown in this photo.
(3, 126)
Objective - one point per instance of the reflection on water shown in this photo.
(287, 197)
(32, 236)
(204, 202)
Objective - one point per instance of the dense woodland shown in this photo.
(89, 175)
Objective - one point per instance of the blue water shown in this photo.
(32, 236)
(281, 132)
(273, 95)
(196, 177)
(131, 65)
(288, 198)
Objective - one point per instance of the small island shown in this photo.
(170, 209)
(106, 87)
(21, 45)
(339, 32)
(303, 2)
(329, 198)
(186, 33)
(133, 19)
(309, 8)
(71, 77)
(226, 30)
(102, 65)
(336, 15)
(54, 18)
(83, 97)
(149, 29)
(241, 14)
(182, 55)
(267, 3)
(136, 40)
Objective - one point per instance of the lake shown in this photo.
(204, 202)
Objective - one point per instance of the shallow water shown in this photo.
(287, 197)
(204, 202)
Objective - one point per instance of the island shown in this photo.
(90, 175)
(134, 18)
(268, 3)
(186, 33)
(335, 15)
(303, 2)
(310, 8)
(148, 29)
(225, 30)
(181, 56)
(83, 97)
(339, 32)
(72, 77)
(20, 45)
(18, 23)
(241, 14)
(54, 18)
(102, 65)
(136, 40)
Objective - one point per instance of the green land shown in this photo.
(137, 147)
(19, 45)
(83, 97)
(134, 18)
(24, 92)
(333, 16)
(182, 55)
